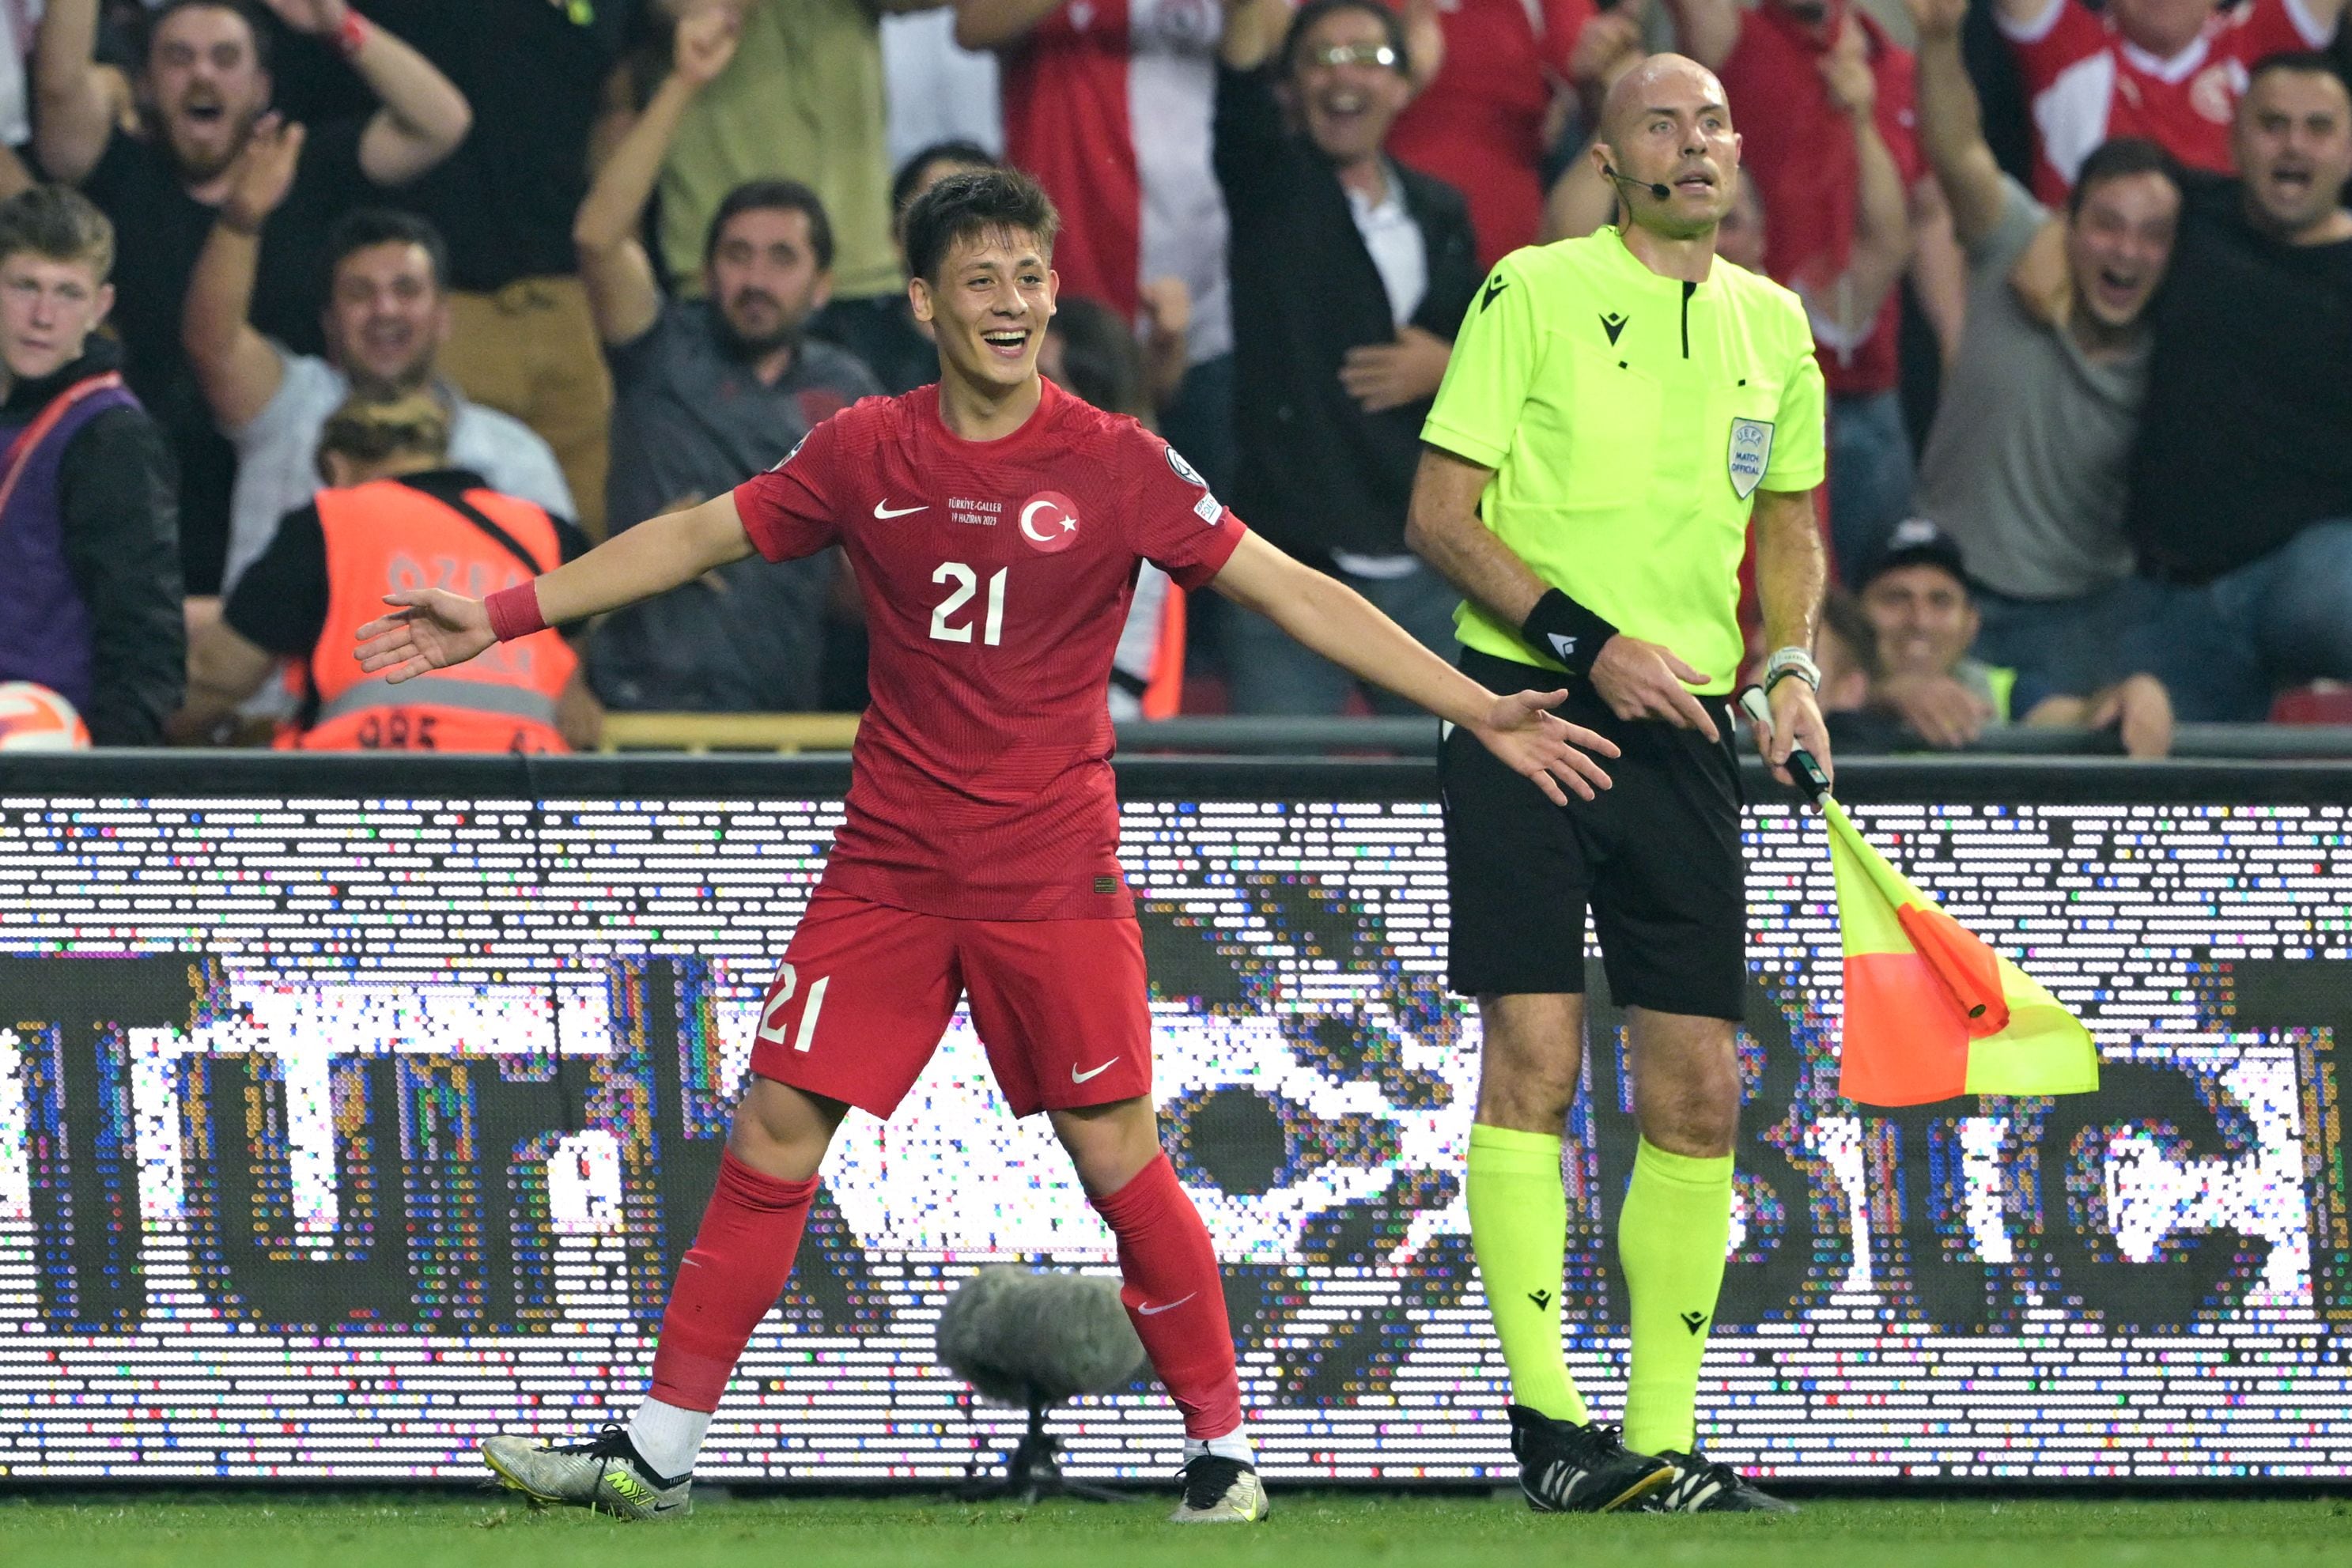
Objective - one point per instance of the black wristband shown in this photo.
(1567, 631)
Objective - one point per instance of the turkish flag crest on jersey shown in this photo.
(1049, 521)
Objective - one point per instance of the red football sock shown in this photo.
(730, 1278)
(1175, 1298)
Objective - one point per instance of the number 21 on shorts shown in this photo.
(962, 582)
(780, 997)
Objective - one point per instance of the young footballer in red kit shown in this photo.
(996, 524)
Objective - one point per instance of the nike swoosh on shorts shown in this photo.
(1172, 1306)
(1078, 1077)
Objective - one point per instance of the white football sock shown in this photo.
(1234, 1444)
(667, 1437)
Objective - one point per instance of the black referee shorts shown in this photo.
(1656, 860)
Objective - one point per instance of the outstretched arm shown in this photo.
(432, 629)
(1951, 121)
(1882, 235)
(1882, 230)
(623, 294)
(1337, 623)
(423, 115)
(73, 116)
(1253, 31)
(237, 367)
(1708, 30)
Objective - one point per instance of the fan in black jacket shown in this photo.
(1350, 275)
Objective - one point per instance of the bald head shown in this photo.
(1661, 80)
(1665, 122)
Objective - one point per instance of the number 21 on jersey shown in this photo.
(962, 583)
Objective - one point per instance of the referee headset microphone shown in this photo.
(1654, 187)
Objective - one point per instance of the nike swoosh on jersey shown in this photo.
(882, 509)
(1172, 1306)
(1078, 1077)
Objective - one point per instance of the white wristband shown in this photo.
(1792, 661)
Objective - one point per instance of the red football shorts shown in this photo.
(866, 990)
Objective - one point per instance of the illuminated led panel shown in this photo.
(336, 1133)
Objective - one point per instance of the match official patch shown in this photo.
(1209, 509)
(1752, 452)
(1185, 471)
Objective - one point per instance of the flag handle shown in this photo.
(1801, 767)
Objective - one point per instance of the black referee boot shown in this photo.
(1568, 1469)
(1702, 1485)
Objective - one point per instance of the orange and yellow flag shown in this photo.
(1930, 1011)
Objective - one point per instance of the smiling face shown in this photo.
(47, 310)
(1666, 124)
(764, 277)
(1346, 98)
(386, 317)
(988, 306)
(2293, 145)
(207, 85)
(1924, 617)
(2118, 243)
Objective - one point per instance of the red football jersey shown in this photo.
(996, 576)
(2089, 83)
(1800, 153)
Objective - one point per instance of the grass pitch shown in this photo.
(1308, 1530)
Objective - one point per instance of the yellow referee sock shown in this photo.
(1671, 1241)
(1518, 1229)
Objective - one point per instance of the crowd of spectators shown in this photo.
(301, 298)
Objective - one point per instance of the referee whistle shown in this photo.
(1801, 767)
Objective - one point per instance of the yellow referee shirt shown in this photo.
(1629, 420)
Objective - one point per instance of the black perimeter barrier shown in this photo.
(354, 1107)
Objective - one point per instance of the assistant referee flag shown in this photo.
(1931, 1012)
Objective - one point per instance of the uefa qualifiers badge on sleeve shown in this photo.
(1751, 451)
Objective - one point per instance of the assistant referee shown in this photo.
(1615, 409)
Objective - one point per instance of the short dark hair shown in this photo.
(2300, 62)
(1314, 11)
(773, 196)
(263, 38)
(363, 229)
(959, 152)
(971, 203)
(2118, 160)
(58, 223)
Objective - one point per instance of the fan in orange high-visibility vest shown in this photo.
(1931, 1011)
